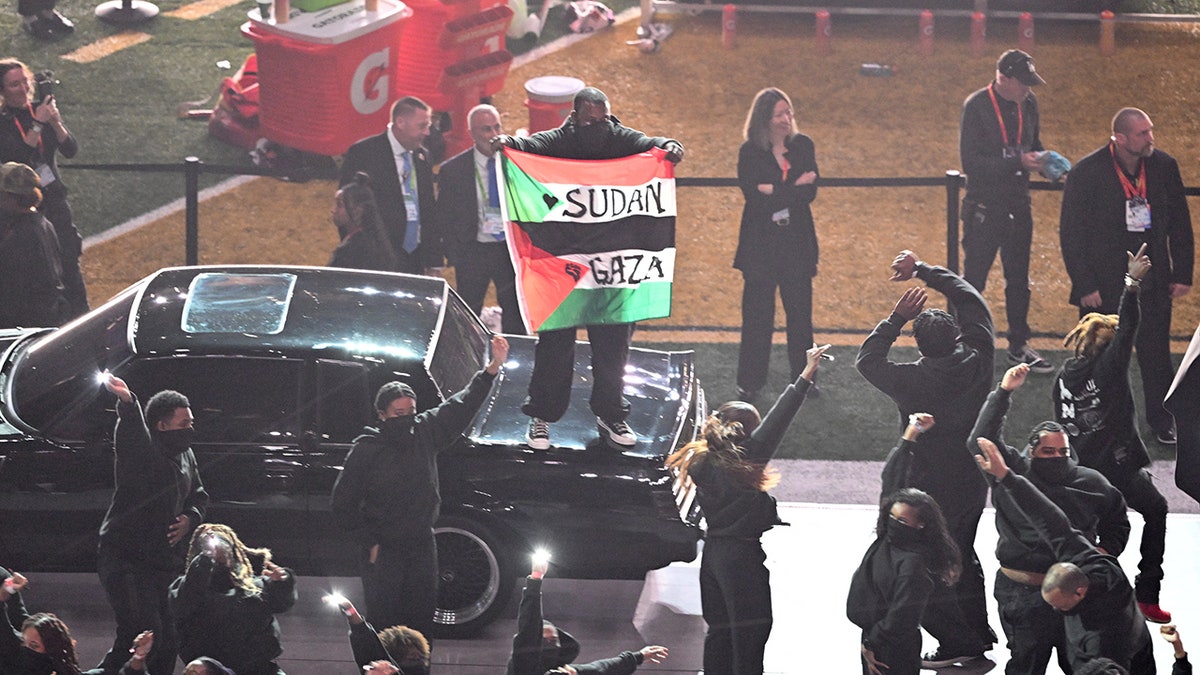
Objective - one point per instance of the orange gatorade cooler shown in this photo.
(551, 99)
(326, 78)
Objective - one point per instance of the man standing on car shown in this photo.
(387, 498)
(590, 132)
(999, 147)
(158, 501)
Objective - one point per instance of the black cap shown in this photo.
(1018, 64)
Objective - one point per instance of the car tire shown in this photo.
(475, 577)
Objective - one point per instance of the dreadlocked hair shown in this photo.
(1092, 334)
(56, 638)
(241, 569)
(720, 435)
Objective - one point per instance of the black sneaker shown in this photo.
(39, 28)
(59, 23)
(943, 658)
(1028, 355)
(538, 436)
(747, 395)
(617, 432)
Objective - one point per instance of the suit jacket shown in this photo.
(456, 216)
(761, 243)
(373, 155)
(1094, 238)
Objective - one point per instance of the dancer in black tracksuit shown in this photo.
(729, 465)
(950, 381)
(541, 647)
(1095, 508)
(1087, 585)
(1092, 399)
(387, 496)
(912, 553)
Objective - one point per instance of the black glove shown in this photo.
(674, 152)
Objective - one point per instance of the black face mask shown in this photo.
(903, 536)
(175, 441)
(397, 428)
(1052, 470)
(594, 136)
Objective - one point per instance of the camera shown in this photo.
(44, 84)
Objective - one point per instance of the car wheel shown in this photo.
(475, 577)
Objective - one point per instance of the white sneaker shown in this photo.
(538, 436)
(617, 432)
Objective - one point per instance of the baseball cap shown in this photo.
(18, 179)
(1018, 64)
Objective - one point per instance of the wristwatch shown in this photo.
(37, 127)
(1130, 282)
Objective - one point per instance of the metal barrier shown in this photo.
(192, 168)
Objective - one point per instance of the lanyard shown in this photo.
(1000, 118)
(1131, 190)
(21, 129)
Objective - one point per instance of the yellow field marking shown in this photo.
(199, 10)
(106, 46)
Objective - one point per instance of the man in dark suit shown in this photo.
(403, 182)
(468, 221)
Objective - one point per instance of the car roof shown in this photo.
(289, 311)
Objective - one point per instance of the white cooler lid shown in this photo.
(336, 24)
(553, 88)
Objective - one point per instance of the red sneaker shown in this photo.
(1154, 613)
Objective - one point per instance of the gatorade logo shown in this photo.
(369, 86)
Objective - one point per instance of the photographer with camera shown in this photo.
(32, 133)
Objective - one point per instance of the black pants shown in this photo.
(758, 322)
(1153, 344)
(956, 616)
(735, 596)
(554, 370)
(57, 210)
(138, 597)
(1141, 496)
(986, 230)
(478, 264)
(1033, 628)
(400, 588)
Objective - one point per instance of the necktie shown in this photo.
(493, 185)
(412, 228)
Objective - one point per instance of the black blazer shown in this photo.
(373, 155)
(456, 217)
(760, 241)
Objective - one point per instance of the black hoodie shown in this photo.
(388, 489)
(1093, 400)
(952, 388)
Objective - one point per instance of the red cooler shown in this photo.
(326, 78)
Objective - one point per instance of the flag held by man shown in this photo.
(591, 241)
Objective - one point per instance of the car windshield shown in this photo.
(53, 384)
(460, 349)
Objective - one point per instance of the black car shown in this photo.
(281, 365)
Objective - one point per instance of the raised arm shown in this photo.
(990, 423)
(765, 438)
